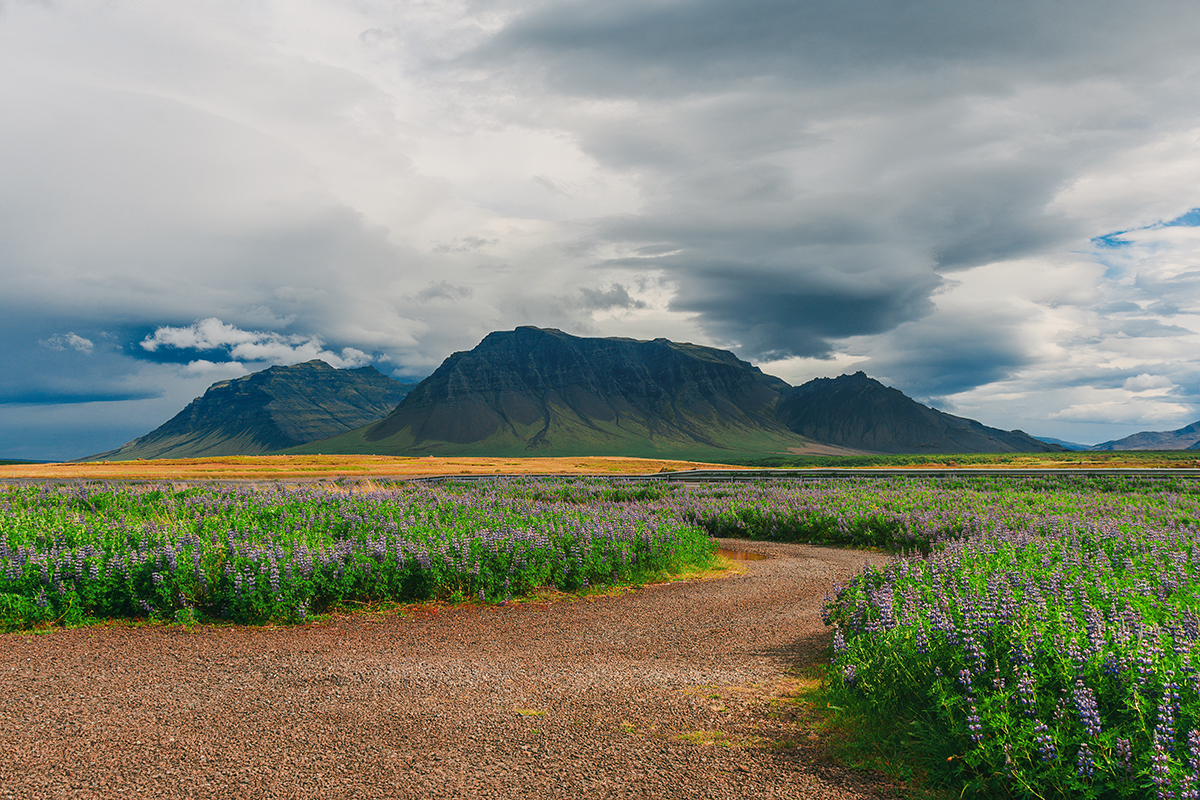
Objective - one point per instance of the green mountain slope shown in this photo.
(535, 391)
(1186, 438)
(860, 412)
(267, 411)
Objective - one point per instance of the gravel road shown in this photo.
(664, 692)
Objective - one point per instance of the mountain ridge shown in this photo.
(1185, 438)
(545, 392)
(883, 419)
(540, 391)
(267, 411)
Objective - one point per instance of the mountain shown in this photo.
(860, 412)
(1186, 438)
(1065, 444)
(535, 391)
(277, 408)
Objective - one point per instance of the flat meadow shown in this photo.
(1031, 636)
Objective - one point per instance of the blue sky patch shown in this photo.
(1189, 220)
(1112, 241)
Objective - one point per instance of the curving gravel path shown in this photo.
(665, 692)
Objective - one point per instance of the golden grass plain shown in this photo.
(327, 467)
(300, 468)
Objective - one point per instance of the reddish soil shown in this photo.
(672, 691)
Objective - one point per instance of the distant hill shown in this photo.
(534, 391)
(1186, 438)
(1065, 444)
(271, 410)
(860, 412)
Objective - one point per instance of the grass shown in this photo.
(922, 654)
(312, 467)
(1127, 459)
(1055, 657)
(71, 554)
(716, 738)
(331, 467)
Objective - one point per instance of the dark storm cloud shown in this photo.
(815, 168)
(950, 353)
(389, 182)
(615, 296)
(674, 46)
(42, 366)
(794, 309)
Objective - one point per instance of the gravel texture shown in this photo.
(670, 691)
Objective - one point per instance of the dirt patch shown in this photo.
(664, 692)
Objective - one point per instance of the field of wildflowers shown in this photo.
(73, 553)
(1047, 651)
(1032, 637)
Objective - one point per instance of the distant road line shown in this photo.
(682, 476)
(749, 475)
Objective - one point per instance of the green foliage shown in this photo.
(1055, 659)
(70, 554)
(1130, 458)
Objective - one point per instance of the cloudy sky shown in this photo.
(987, 205)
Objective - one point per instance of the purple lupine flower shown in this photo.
(1045, 742)
(1124, 750)
(850, 674)
(1086, 708)
(1160, 768)
(1085, 763)
(974, 723)
(1190, 788)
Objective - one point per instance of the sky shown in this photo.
(990, 206)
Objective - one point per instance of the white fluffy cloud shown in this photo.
(63, 341)
(259, 347)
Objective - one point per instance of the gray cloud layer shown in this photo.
(909, 188)
(816, 167)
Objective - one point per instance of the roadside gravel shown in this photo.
(664, 692)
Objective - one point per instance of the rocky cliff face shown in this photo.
(536, 391)
(1186, 438)
(271, 410)
(860, 412)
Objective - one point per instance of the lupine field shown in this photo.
(70, 554)
(1032, 637)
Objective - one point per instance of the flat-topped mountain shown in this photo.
(1186, 438)
(860, 412)
(271, 410)
(534, 391)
